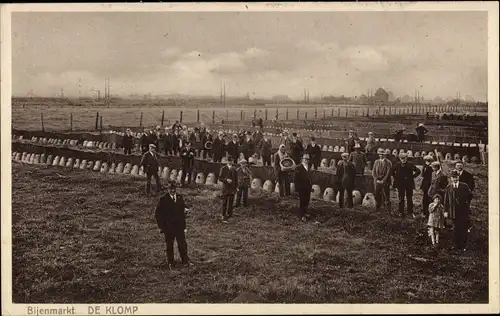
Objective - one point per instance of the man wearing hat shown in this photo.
(346, 180)
(150, 164)
(187, 157)
(145, 142)
(266, 148)
(421, 131)
(358, 158)
(426, 184)
(229, 178)
(465, 176)
(404, 173)
(296, 148)
(128, 142)
(381, 173)
(457, 198)
(439, 180)
(314, 151)
(303, 186)
(351, 141)
(257, 138)
(248, 146)
(171, 219)
(371, 144)
(219, 147)
(244, 178)
(232, 148)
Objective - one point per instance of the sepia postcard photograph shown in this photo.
(269, 158)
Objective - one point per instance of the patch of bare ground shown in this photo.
(83, 237)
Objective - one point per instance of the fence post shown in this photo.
(41, 118)
(162, 117)
(97, 121)
(305, 116)
(213, 117)
(266, 114)
(241, 115)
(182, 114)
(384, 110)
(315, 113)
(287, 114)
(277, 114)
(71, 122)
(198, 116)
(367, 111)
(338, 112)
(100, 123)
(324, 113)
(140, 122)
(297, 114)
(255, 113)
(332, 112)
(346, 112)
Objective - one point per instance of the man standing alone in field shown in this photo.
(381, 175)
(229, 178)
(150, 164)
(171, 219)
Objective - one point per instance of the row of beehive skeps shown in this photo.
(165, 173)
(323, 164)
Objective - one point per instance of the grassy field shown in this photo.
(58, 118)
(85, 237)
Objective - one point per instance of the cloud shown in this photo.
(171, 52)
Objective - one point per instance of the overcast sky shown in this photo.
(261, 53)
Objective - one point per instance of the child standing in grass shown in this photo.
(436, 219)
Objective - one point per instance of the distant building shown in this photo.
(281, 98)
(381, 95)
(391, 96)
(405, 99)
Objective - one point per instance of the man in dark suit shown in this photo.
(265, 147)
(404, 173)
(248, 146)
(439, 180)
(168, 142)
(218, 147)
(229, 178)
(421, 131)
(145, 142)
(257, 138)
(314, 151)
(128, 142)
(346, 180)
(457, 198)
(232, 148)
(171, 219)
(465, 176)
(187, 157)
(426, 184)
(303, 186)
(296, 148)
(150, 164)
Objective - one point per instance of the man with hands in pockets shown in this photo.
(171, 219)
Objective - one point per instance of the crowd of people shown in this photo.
(445, 197)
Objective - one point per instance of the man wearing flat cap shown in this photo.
(303, 186)
(150, 164)
(346, 180)
(439, 180)
(171, 219)
(404, 173)
(426, 184)
(351, 141)
(381, 178)
(457, 198)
